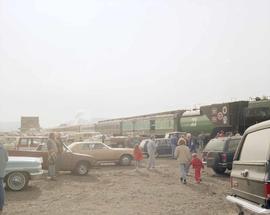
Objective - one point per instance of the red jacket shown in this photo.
(138, 155)
(196, 163)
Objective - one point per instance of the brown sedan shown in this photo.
(75, 162)
(103, 153)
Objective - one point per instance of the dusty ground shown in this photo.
(121, 190)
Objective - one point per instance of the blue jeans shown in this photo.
(183, 171)
(173, 150)
(2, 194)
(151, 161)
(51, 170)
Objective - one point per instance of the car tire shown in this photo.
(219, 170)
(17, 181)
(125, 160)
(82, 168)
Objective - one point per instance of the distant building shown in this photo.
(29, 123)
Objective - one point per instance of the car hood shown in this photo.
(12, 159)
(29, 164)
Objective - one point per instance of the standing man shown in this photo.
(190, 143)
(192, 148)
(173, 142)
(151, 150)
(183, 156)
(103, 138)
(52, 155)
(3, 164)
(59, 144)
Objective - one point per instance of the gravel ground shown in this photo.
(121, 190)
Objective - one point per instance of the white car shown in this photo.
(20, 170)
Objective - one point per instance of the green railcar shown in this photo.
(211, 119)
(257, 111)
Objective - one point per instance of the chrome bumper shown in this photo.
(246, 206)
(36, 175)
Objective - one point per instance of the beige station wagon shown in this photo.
(103, 153)
(250, 175)
(70, 161)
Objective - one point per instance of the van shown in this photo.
(250, 178)
(219, 152)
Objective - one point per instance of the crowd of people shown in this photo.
(183, 150)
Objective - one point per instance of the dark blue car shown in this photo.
(163, 147)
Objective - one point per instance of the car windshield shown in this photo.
(43, 147)
(215, 145)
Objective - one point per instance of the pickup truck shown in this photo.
(74, 162)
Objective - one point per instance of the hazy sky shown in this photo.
(121, 58)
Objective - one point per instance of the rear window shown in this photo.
(233, 145)
(215, 145)
(256, 146)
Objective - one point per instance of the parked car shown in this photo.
(143, 146)
(103, 153)
(218, 153)
(163, 147)
(20, 170)
(250, 178)
(178, 134)
(77, 163)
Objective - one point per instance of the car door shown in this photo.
(231, 148)
(250, 165)
(164, 147)
(101, 152)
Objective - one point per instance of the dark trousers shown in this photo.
(2, 194)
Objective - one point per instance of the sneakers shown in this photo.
(184, 181)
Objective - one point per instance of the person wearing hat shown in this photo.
(183, 156)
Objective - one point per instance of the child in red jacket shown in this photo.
(197, 166)
(138, 155)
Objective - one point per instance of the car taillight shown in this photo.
(224, 157)
(267, 190)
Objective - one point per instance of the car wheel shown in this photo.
(82, 168)
(219, 170)
(17, 181)
(125, 160)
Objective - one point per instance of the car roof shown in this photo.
(259, 126)
(228, 138)
(82, 142)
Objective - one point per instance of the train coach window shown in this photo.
(152, 125)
